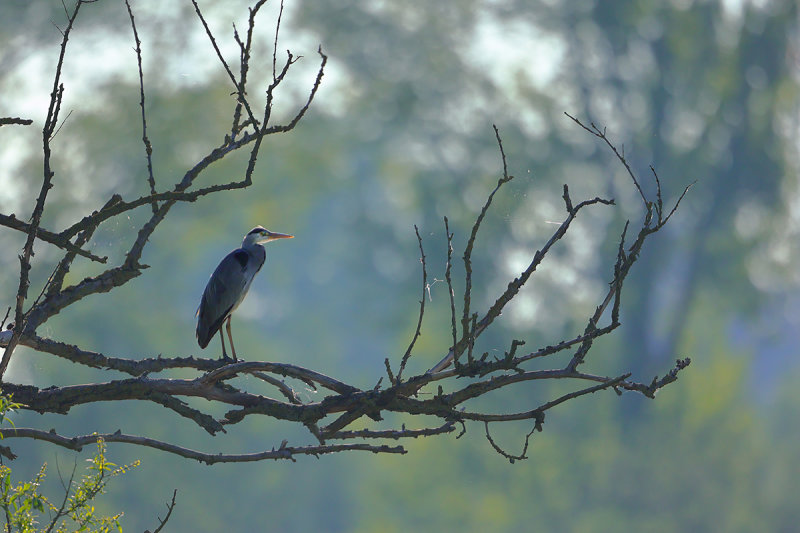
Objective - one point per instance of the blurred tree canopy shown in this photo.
(401, 135)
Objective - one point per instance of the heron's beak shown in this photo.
(271, 236)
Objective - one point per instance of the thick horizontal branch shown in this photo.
(62, 399)
(134, 367)
(218, 369)
(350, 400)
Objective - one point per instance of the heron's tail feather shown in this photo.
(207, 326)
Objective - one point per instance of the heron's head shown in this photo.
(260, 235)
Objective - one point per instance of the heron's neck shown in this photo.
(253, 248)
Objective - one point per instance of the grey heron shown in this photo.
(229, 285)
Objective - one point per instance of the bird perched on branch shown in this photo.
(229, 285)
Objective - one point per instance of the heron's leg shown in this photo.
(230, 337)
(222, 340)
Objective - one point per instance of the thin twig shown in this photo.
(421, 309)
(67, 489)
(601, 134)
(449, 279)
(239, 86)
(148, 147)
(244, 68)
(286, 390)
(275, 45)
(511, 458)
(468, 333)
(170, 507)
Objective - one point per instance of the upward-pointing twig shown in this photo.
(421, 309)
(148, 147)
(27, 251)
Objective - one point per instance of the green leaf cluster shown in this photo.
(26, 510)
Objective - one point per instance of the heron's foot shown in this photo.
(225, 357)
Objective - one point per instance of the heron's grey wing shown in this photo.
(224, 290)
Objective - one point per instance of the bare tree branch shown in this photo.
(282, 452)
(601, 134)
(421, 309)
(498, 449)
(27, 251)
(11, 221)
(332, 416)
(402, 433)
(449, 279)
(148, 148)
(468, 329)
(5, 121)
(170, 508)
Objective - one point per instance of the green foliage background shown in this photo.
(401, 135)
